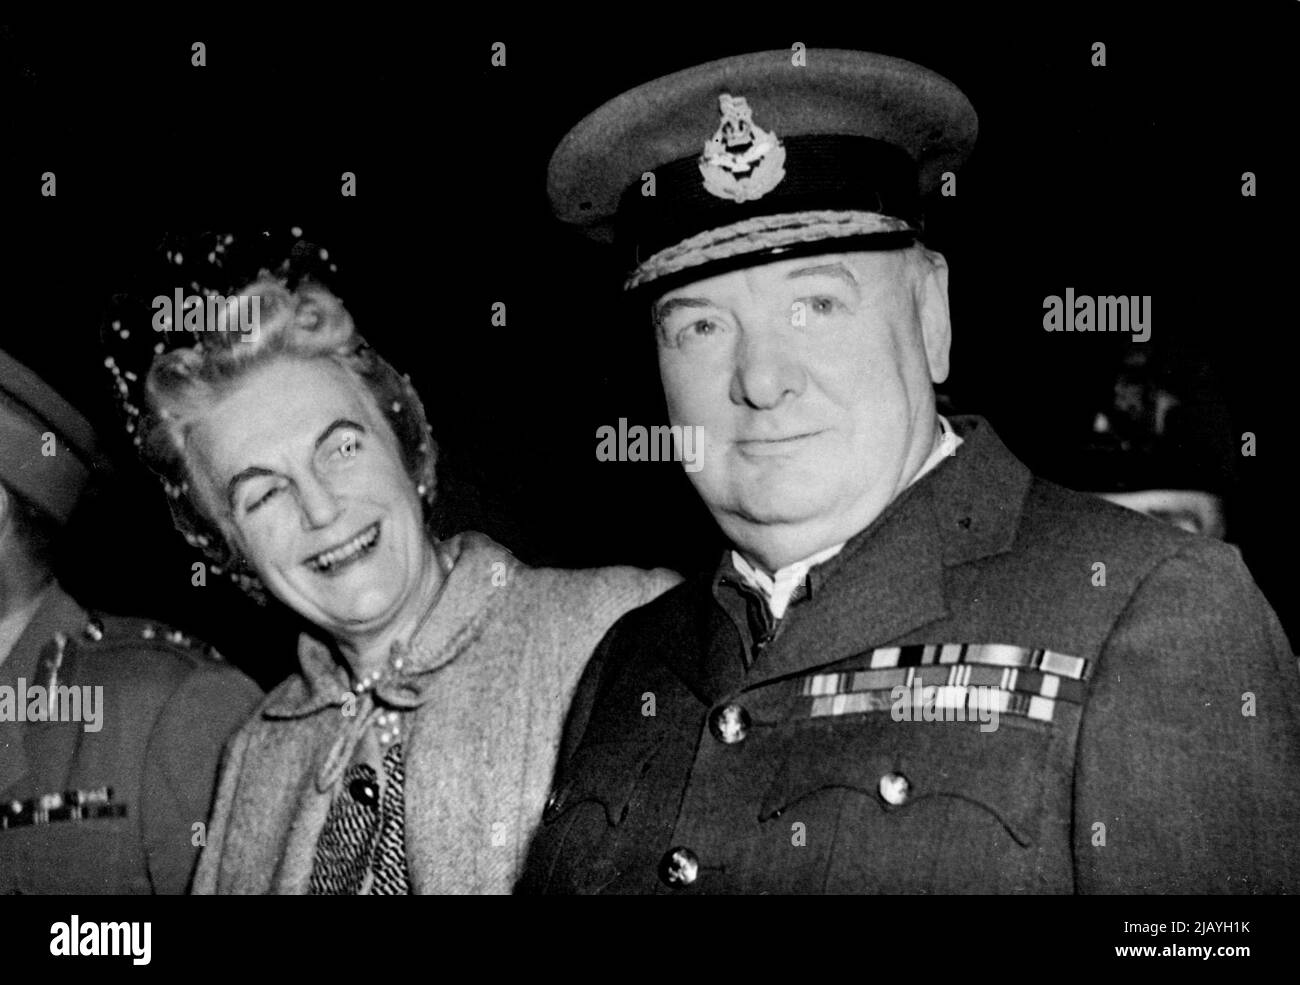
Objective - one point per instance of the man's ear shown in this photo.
(932, 309)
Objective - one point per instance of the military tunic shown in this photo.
(118, 808)
(1149, 741)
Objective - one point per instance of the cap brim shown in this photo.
(834, 92)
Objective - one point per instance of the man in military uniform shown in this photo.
(920, 669)
(110, 729)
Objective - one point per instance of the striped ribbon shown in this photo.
(51, 808)
(1013, 679)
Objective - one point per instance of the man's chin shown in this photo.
(790, 527)
(769, 512)
(787, 500)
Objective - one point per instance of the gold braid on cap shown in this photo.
(760, 234)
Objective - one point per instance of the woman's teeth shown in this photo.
(363, 541)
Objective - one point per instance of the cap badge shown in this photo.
(741, 161)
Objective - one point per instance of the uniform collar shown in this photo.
(948, 443)
(13, 625)
(475, 586)
(778, 589)
(58, 613)
(888, 579)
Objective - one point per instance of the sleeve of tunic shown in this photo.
(1188, 770)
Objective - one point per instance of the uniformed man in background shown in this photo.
(110, 729)
(1154, 436)
(919, 669)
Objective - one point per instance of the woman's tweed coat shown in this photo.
(486, 686)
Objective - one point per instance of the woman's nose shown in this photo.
(320, 507)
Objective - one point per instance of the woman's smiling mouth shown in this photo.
(337, 558)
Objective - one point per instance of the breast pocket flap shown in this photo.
(606, 773)
(913, 767)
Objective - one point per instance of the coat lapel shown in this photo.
(888, 582)
(308, 742)
(25, 746)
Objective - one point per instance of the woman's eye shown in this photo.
(346, 448)
(262, 498)
(822, 305)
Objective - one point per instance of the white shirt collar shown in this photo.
(778, 589)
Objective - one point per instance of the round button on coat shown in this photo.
(365, 792)
(729, 724)
(679, 867)
(895, 788)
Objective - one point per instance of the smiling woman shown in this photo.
(190, 390)
(413, 750)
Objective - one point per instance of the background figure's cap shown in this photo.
(755, 155)
(30, 409)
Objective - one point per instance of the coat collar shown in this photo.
(888, 580)
(480, 570)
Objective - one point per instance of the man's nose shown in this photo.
(320, 507)
(767, 369)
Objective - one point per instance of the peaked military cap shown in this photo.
(50, 475)
(761, 155)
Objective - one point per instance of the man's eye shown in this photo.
(698, 330)
(823, 304)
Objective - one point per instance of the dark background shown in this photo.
(1117, 180)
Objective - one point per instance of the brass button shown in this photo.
(729, 724)
(679, 867)
(895, 788)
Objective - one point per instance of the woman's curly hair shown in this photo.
(306, 323)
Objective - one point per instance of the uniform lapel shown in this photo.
(22, 745)
(699, 642)
(888, 582)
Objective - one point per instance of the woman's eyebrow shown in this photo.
(252, 472)
(342, 422)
